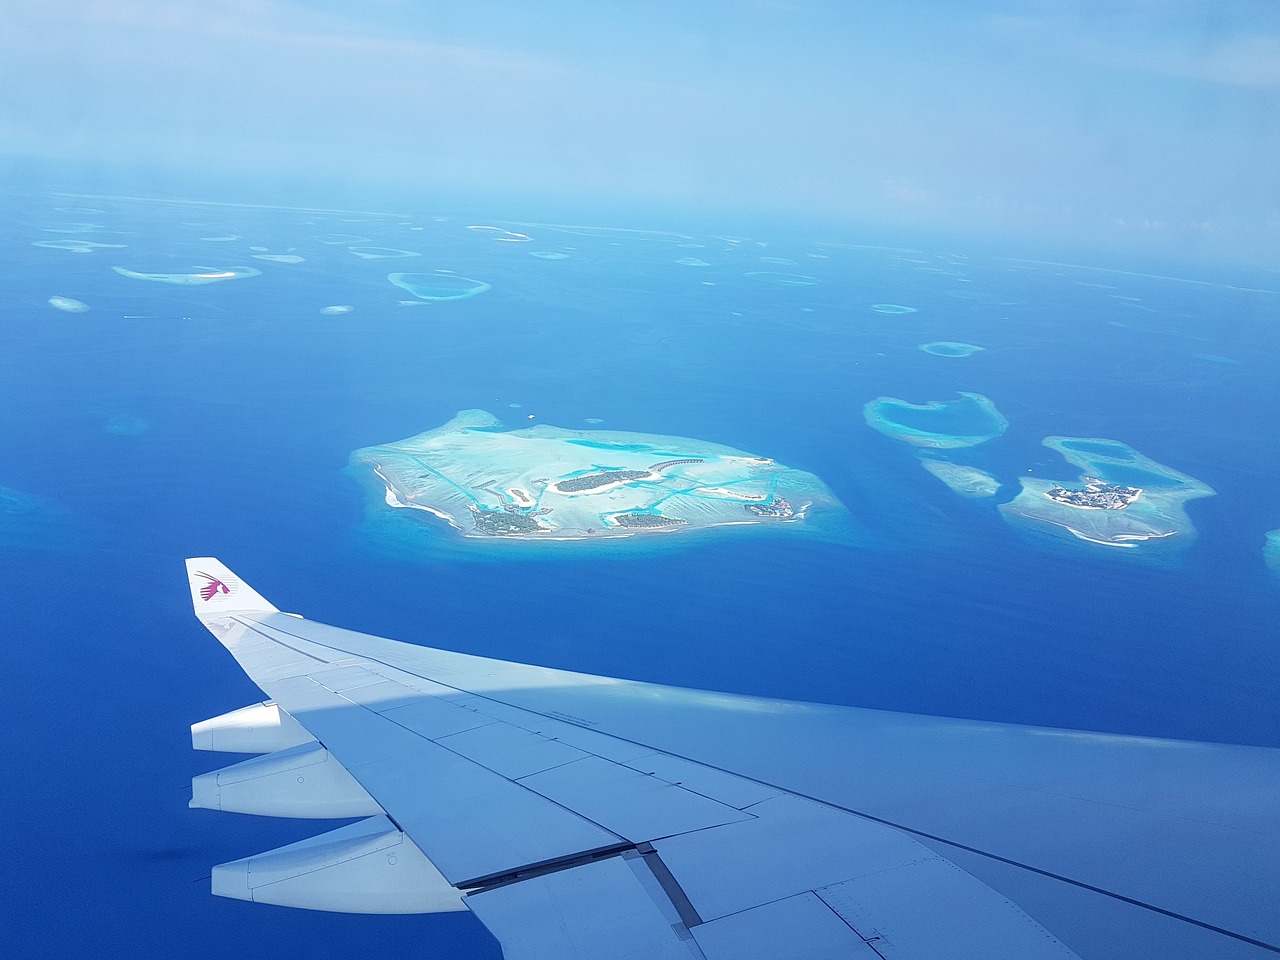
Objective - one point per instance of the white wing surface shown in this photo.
(587, 817)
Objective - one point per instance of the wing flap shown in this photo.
(599, 909)
(889, 889)
(791, 845)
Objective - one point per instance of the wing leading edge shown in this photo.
(586, 816)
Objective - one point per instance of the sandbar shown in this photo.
(498, 233)
(554, 484)
(69, 305)
(205, 275)
(965, 480)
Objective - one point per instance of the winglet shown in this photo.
(216, 591)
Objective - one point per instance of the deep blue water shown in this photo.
(171, 421)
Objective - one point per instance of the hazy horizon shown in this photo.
(1131, 127)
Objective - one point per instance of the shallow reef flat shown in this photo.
(549, 483)
(1154, 520)
(68, 305)
(279, 257)
(381, 253)
(29, 521)
(951, 348)
(1271, 551)
(965, 480)
(438, 286)
(941, 424)
(76, 246)
(203, 276)
(781, 279)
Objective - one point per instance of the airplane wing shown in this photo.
(589, 817)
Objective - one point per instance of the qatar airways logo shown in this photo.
(213, 587)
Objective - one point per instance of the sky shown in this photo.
(1150, 126)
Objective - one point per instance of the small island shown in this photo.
(1123, 499)
(29, 521)
(546, 483)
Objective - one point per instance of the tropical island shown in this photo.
(1123, 500)
(548, 483)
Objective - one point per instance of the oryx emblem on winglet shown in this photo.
(213, 587)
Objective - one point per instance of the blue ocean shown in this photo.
(145, 418)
